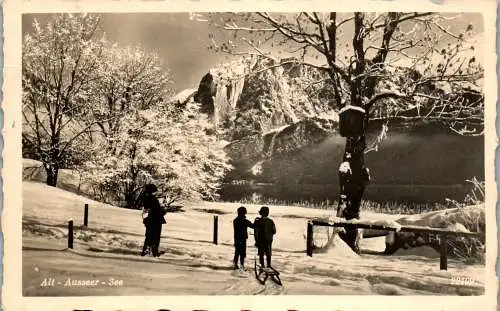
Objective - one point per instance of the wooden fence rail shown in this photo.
(442, 233)
(86, 221)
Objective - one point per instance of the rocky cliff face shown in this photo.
(255, 96)
(220, 89)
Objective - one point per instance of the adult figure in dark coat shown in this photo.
(153, 221)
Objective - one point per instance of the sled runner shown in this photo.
(262, 274)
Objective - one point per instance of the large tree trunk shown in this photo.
(52, 175)
(52, 168)
(353, 176)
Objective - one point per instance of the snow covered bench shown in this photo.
(394, 227)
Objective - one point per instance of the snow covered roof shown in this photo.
(350, 107)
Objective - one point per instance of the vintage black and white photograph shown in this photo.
(253, 153)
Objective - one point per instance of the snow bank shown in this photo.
(183, 96)
(466, 219)
(471, 218)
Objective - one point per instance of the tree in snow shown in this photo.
(168, 146)
(132, 78)
(140, 132)
(60, 62)
(391, 66)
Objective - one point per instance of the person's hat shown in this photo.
(242, 210)
(264, 211)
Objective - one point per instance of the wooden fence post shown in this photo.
(86, 215)
(70, 234)
(443, 243)
(309, 239)
(216, 229)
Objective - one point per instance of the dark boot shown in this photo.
(144, 250)
(154, 251)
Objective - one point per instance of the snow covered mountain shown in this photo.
(283, 121)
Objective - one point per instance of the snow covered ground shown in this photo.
(109, 251)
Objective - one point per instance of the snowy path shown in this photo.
(141, 276)
(193, 265)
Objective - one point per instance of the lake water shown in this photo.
(315, 193)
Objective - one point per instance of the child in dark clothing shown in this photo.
(240, 225)
(265, 229)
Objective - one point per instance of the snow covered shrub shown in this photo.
(472, 248)
(166, 146)
(473, 219)
(475, 196)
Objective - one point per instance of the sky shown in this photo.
(182, 41)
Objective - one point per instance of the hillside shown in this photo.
(416, 164)
(109, 248)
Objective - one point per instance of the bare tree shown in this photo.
(392, 65)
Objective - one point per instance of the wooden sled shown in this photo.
(262, 274)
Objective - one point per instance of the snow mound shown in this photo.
(27, 163)
(337, 248)
(454, 218)
(463, 219)
(457, 228)
(34, 229)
